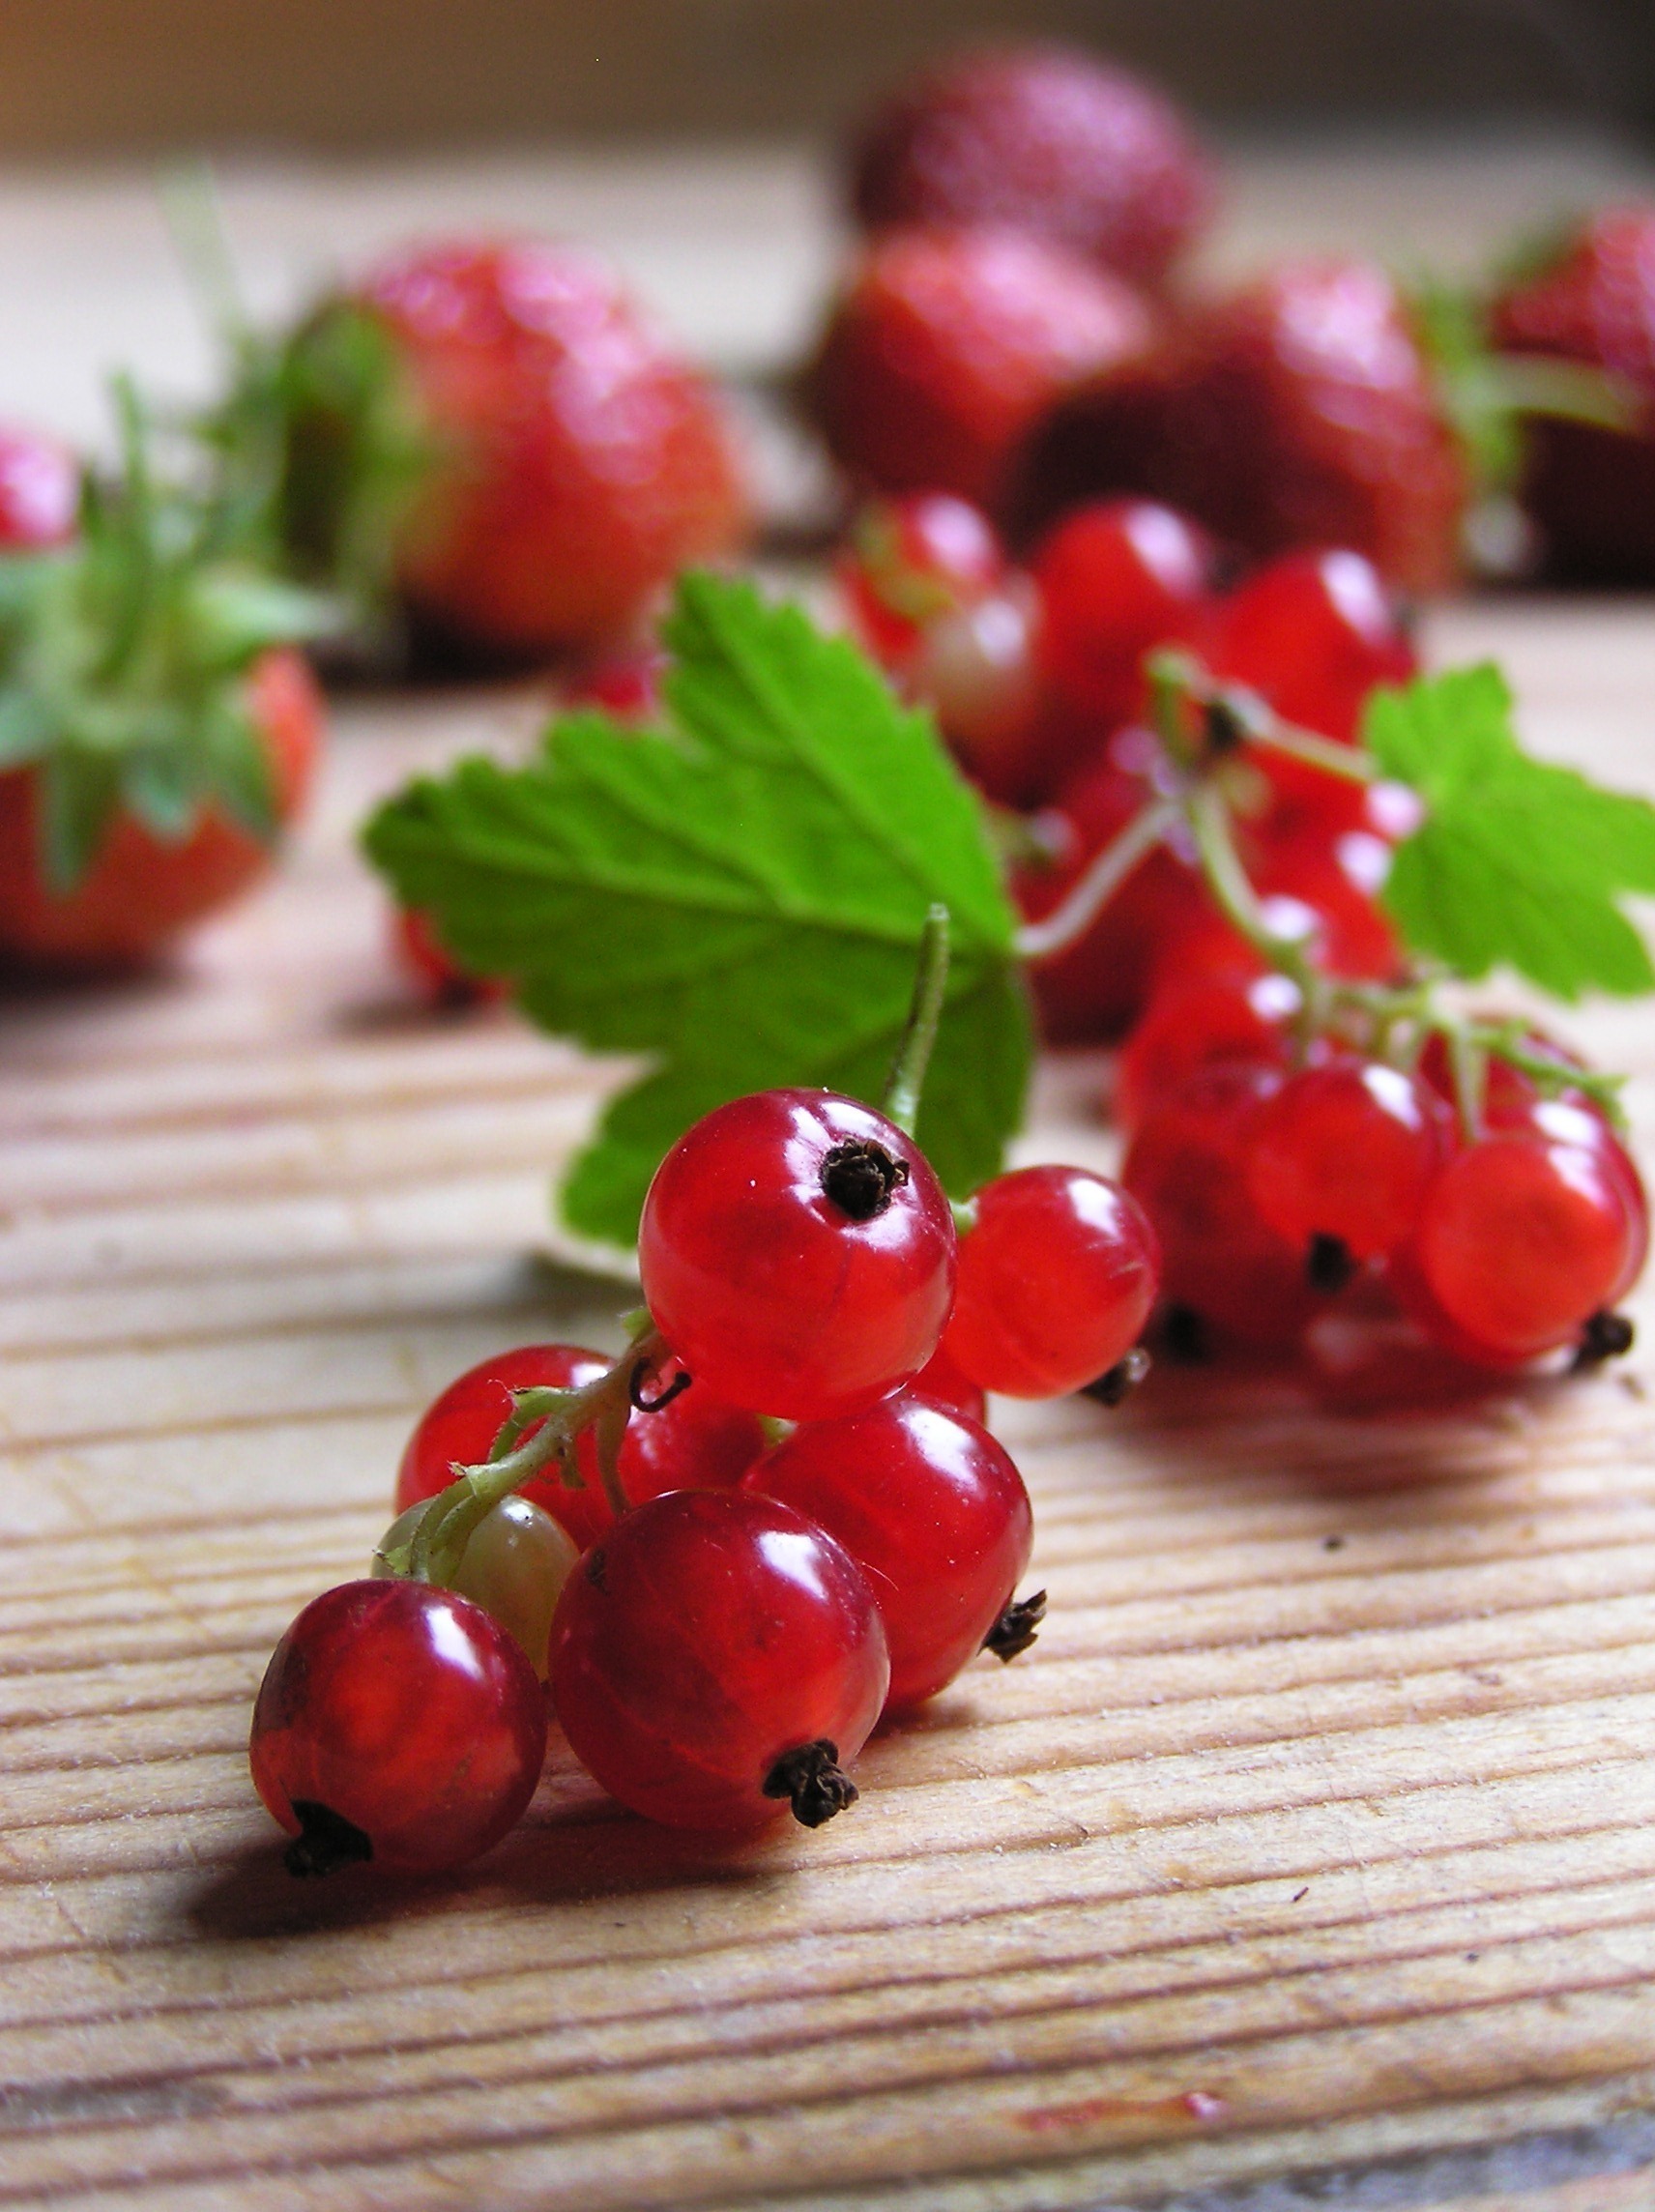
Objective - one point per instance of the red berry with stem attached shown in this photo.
(1313, 632)
(695, 1441)
(396, 1723)
(1520, 1242)
(514, 1566)
(798, 1254)
(1116, 578)
(934, 1512)
(1057, 1277)
(716, 1657)
(1346, 1150)
(909, 561)
(1187, 1169)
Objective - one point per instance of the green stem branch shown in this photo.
(1070, 919)
(445, 1528)
(907, 1079)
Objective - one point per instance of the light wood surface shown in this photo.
(1316, 1838)
(1318, 1827)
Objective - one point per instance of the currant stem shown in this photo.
(447, 1522)
(1076, 914)
(906, 1078)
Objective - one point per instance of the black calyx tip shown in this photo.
(1606, 1336)
(815, 1782)
(860, 1176)
(325, 1841)
(1016, 1628)
(1121, 1380)
(1329, 1264)
(1184, 1337)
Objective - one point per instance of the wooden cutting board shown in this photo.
(1316, 1838)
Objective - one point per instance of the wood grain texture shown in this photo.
(1317, 1835)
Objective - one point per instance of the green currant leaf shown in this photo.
(739, 894)
(1518, 863)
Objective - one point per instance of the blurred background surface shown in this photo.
(686, 139)
(96, 76)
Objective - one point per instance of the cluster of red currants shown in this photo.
(722, 1582)
(1469, 1176)
(1037, 678)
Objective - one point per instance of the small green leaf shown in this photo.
(1518, 863)
(739, 895)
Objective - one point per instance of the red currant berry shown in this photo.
(798, 1253)
(1336, 884)
(396, 1722)
(1520, 1242)
(942, 1384)
(911, 561)
(514, 1566)
(976, 669)
(1195, 1025)
(933, 1511)
(1345, 1152)
(715, 1657)
(1057, 1277)
(1116, 578)
(695, 1441)
(1187, 1169)
(1314, 633)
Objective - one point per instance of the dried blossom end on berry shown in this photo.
(1016, 1628)
(859, 1177)
(812, 1779)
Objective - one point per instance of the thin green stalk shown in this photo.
(1075, 916)
(439, 1542)
(907, 1079)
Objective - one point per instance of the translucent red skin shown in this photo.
(1347, 1150)
(697, 1441)
(931, 1508)
(1057, 1277)
(1196, 1024)
(709, 1633)
(1187, 1169)
(1313, 632)
(409, 1713)
(941, 547)
(1118, 577)
(582, 461)
(141, 892)
(946, 345)
(773, 1298)
(1521, 1241)
(941, 1382)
